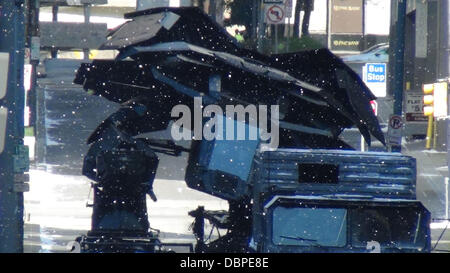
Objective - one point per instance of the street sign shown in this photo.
(347, 16)
(346, 42)
(376, 73)
(288, 8)
(375, 77)
(147, 4)
(395, 130)
(275, 14)
(273, 1)
(414, 107)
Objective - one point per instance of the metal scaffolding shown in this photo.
(14, 156)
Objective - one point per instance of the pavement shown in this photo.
(56, 211)
(55, 207)
(432, 170)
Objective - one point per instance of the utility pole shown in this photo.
(212, 9)
(34, 44)
(261, 26)
(255, 20)
(399, 65)
(87, 19)
(55, 9)
(329, 9)
(13, 161)
(443, 70)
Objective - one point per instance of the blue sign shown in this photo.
(376, 73)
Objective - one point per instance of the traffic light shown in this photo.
(435, 99)
(428, 99)
(428, 110)
(435, 107)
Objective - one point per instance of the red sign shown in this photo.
(275, 14)
(396, 122)
(374, 105)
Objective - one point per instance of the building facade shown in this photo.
(426, 61)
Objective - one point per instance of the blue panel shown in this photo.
(230, 156)
(375, 175)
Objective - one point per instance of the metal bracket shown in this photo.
(21, 177)
(21, 187)
(21, 165)
(21, 159)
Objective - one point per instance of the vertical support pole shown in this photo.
(253, 33)
(212, 10)
(34, 30)
(54, 52)
(288, 39)
(443, 62)
(261, 26)
(429, 132)
(87, 18)
(364, 24)
(399, 62)
(276, 39)
(329, 24)
(446, 198)
(87, 13)
(363, 144)
(435, 133)
(12, 42)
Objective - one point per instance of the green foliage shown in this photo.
(29, 131)
(304, 43)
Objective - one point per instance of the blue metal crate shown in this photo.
(340, 173)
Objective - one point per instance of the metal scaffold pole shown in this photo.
(12, 151)
(399, 64)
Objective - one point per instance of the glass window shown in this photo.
(309, 226)
(386, 226)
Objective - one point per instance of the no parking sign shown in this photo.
(275, 14)
(395, 130)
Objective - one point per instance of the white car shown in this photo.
(376, 54)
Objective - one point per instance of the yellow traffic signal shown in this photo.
(428, 111)
(428, 88)
(428, 99)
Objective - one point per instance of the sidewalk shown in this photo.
(432, 168)
(56, 212)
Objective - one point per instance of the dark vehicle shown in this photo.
(173, 56)
(337, 201)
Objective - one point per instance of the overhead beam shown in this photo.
(72, 2)
(12, 43)
(72, 35)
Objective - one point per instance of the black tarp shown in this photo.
(167, 56)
